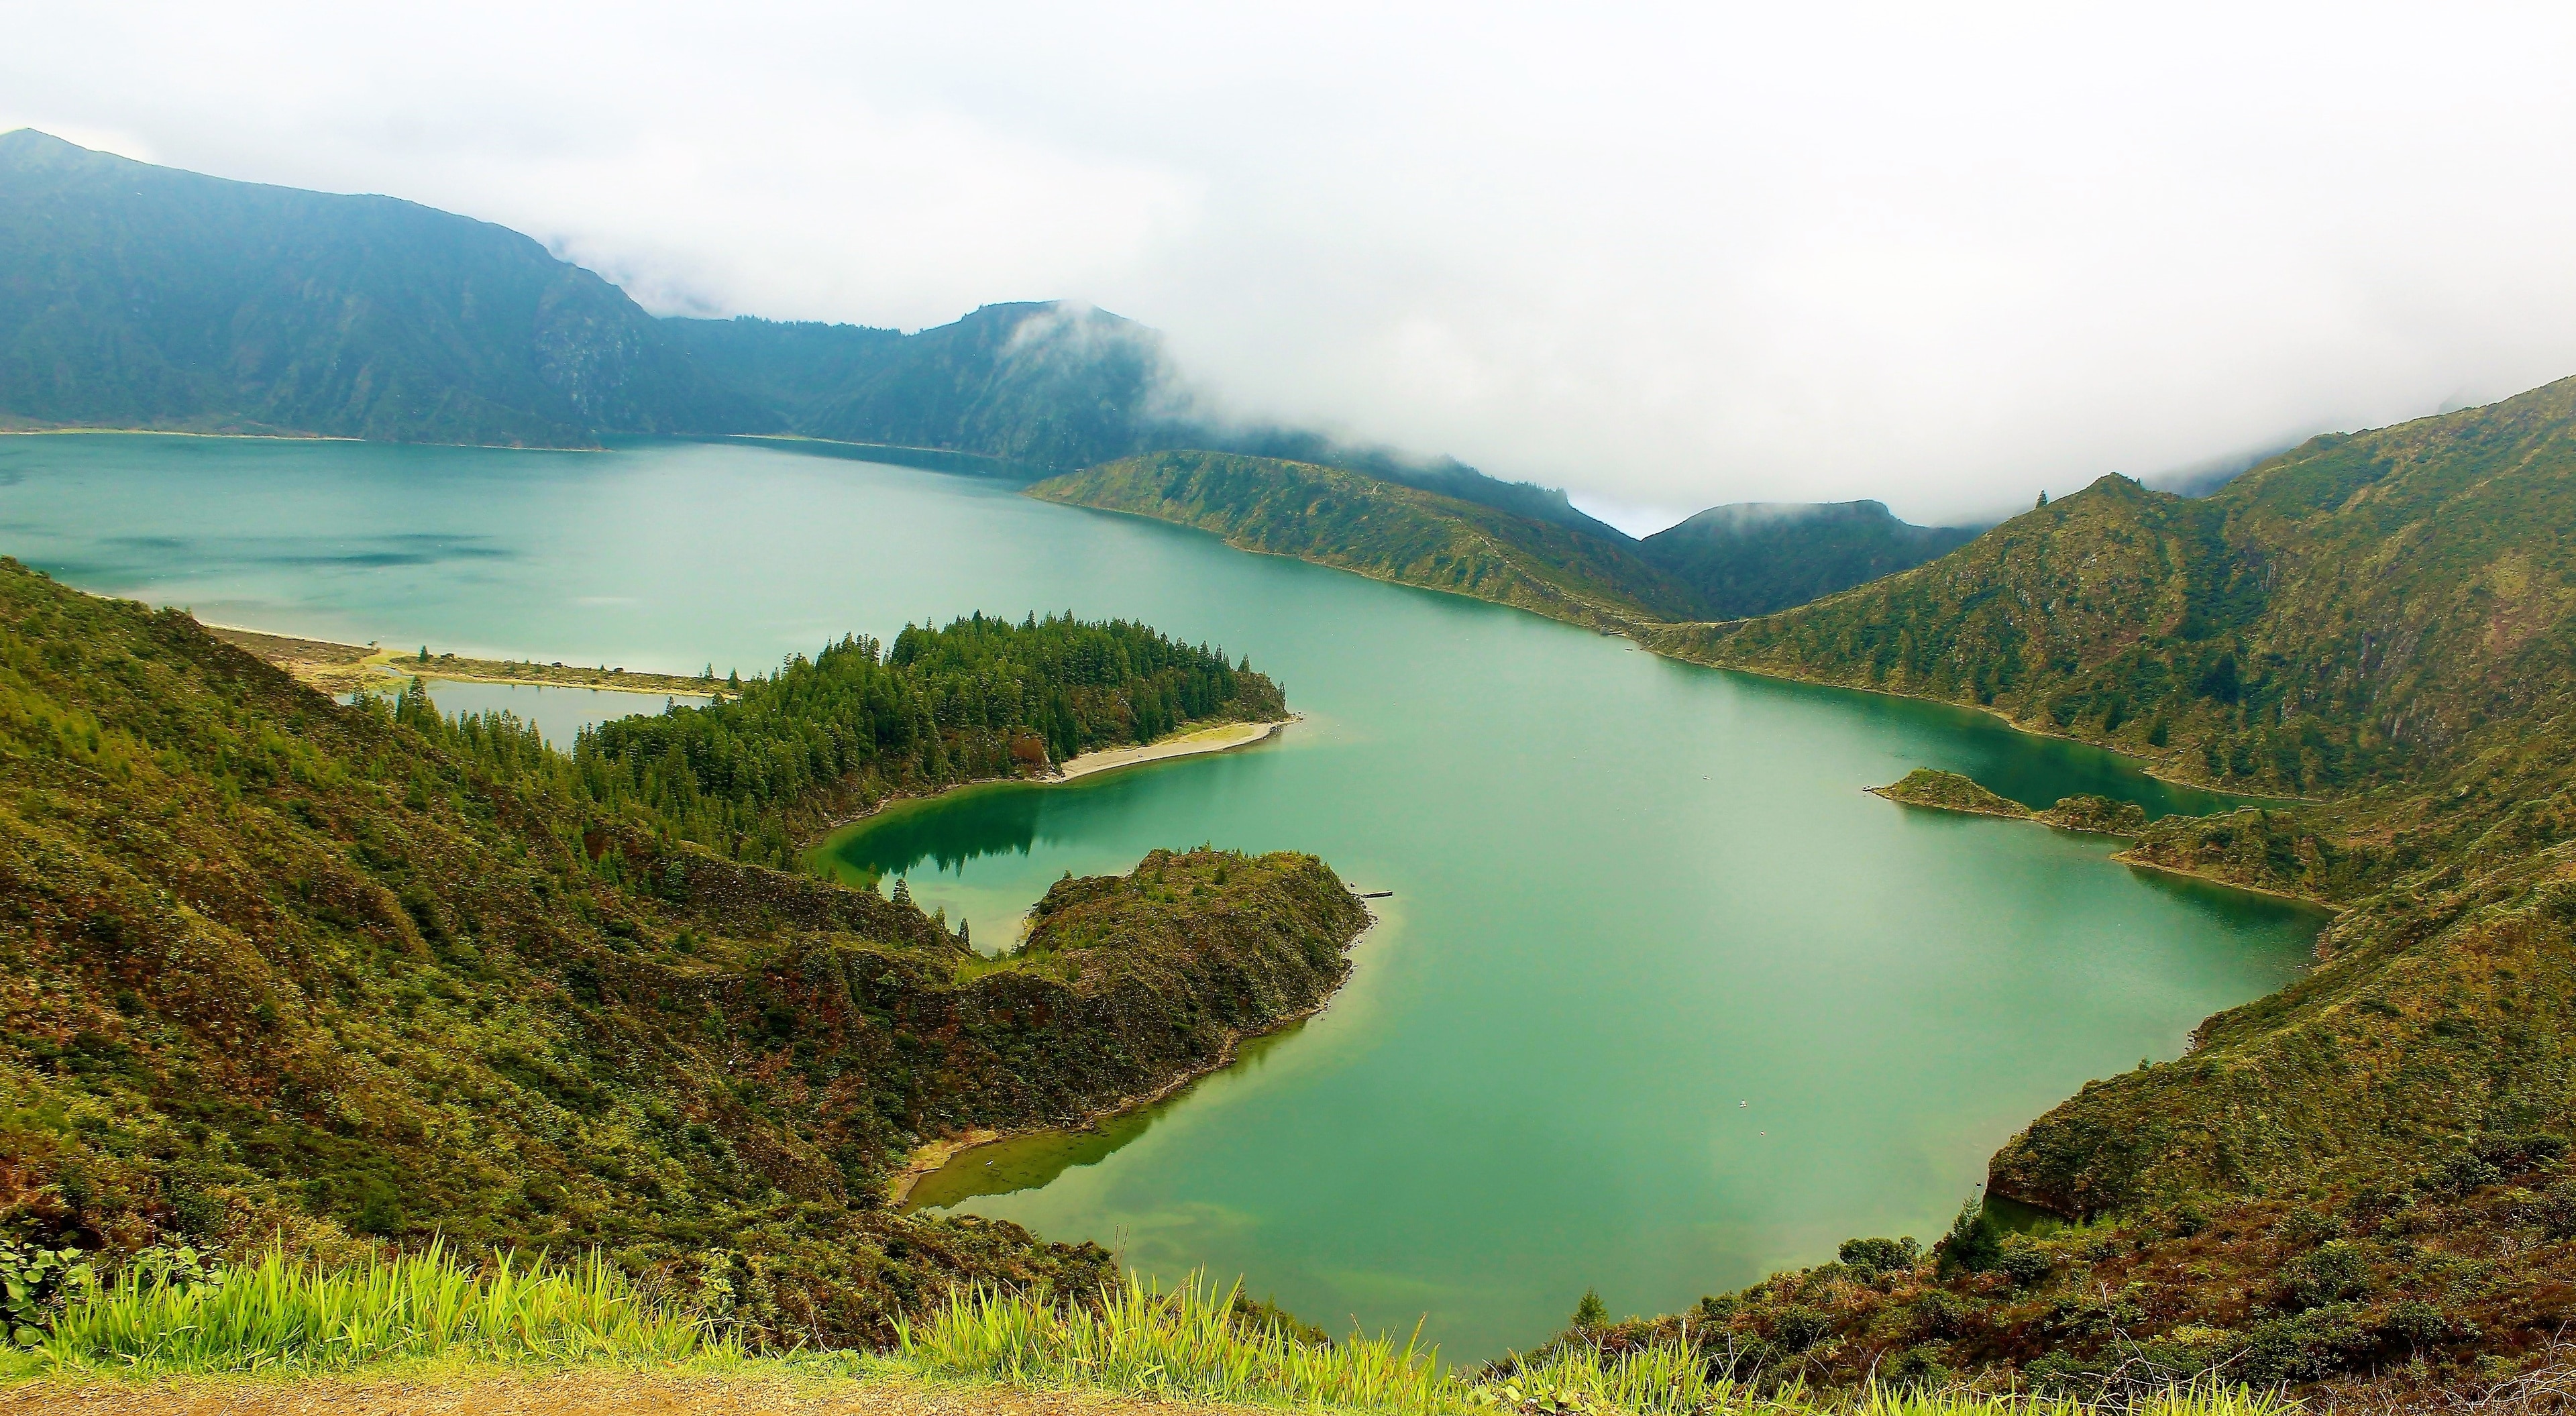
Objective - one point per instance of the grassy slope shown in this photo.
(1383, 529)
(267, 961)
(2381, 616)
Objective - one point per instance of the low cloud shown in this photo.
(1666, 258)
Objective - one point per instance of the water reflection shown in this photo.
(1036, 1160)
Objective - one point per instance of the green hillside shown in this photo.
(2369, 1167)
(2341, 615)
(1753, 558)
(143, 297)
(270, 966)
(1336, 517)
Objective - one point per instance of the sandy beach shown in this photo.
(1221, 737)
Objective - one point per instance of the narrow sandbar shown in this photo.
(1218, 737)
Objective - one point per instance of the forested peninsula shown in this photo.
(277, 970)
(2368, 1168)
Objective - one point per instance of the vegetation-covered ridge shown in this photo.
(271, 966)
(784, 756)
(1383, 529)
(2366, 1169)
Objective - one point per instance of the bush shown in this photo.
(2306, 1227)
(2335, 1272)
(2023, 1261)
(1877, 1256)
(2419, 1324)
(1974, 1242)
(2558, 1210)
(1921, 1366)
(1800, 1327)
(1938, 1314)
(2306, 1348)
(2518, 1152)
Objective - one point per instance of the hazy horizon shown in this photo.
(1664, 259)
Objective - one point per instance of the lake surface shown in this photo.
(1662, 1001)
(557, 711)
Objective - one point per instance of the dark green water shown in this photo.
(1663, 999)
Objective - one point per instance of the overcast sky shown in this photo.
(1663, 257)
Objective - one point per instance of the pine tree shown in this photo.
(902, 891)
(2043, 501)
(1591, 1312)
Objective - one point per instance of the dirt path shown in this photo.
(567, 1394)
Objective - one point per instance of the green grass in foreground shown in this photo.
(283, 1315)
(431, 1313)
(1188, 1345)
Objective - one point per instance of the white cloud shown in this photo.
(1664, 256)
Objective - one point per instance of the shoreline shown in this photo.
(294, 438)
(2147, 766)
(2127, 855)
(333, 667)
(1637, 631)
(2132, 860)
(1188, 741)
(931, 1157)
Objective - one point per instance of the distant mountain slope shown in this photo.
(2387, 619)
(140, 296)
(1047, 384)
(1334, 516)
(2349, 608)
(1753, 558)
(791, 367)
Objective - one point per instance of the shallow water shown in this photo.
(1662, 1000)
(557, 711)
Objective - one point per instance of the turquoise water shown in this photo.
(555, 710)
(1662, 999)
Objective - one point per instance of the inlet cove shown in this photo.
(1658, 997)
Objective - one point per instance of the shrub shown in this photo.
(2558, 1210)
(1877, 1256)
(2304, 1348)
(2517, 1152)
(1973, 1243)
(1800, 1326)
(2332, 1273)
(2023, 1261)
(2306, 1227)
(2419, 1324)
(1938, 1314)
(34, 1284)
